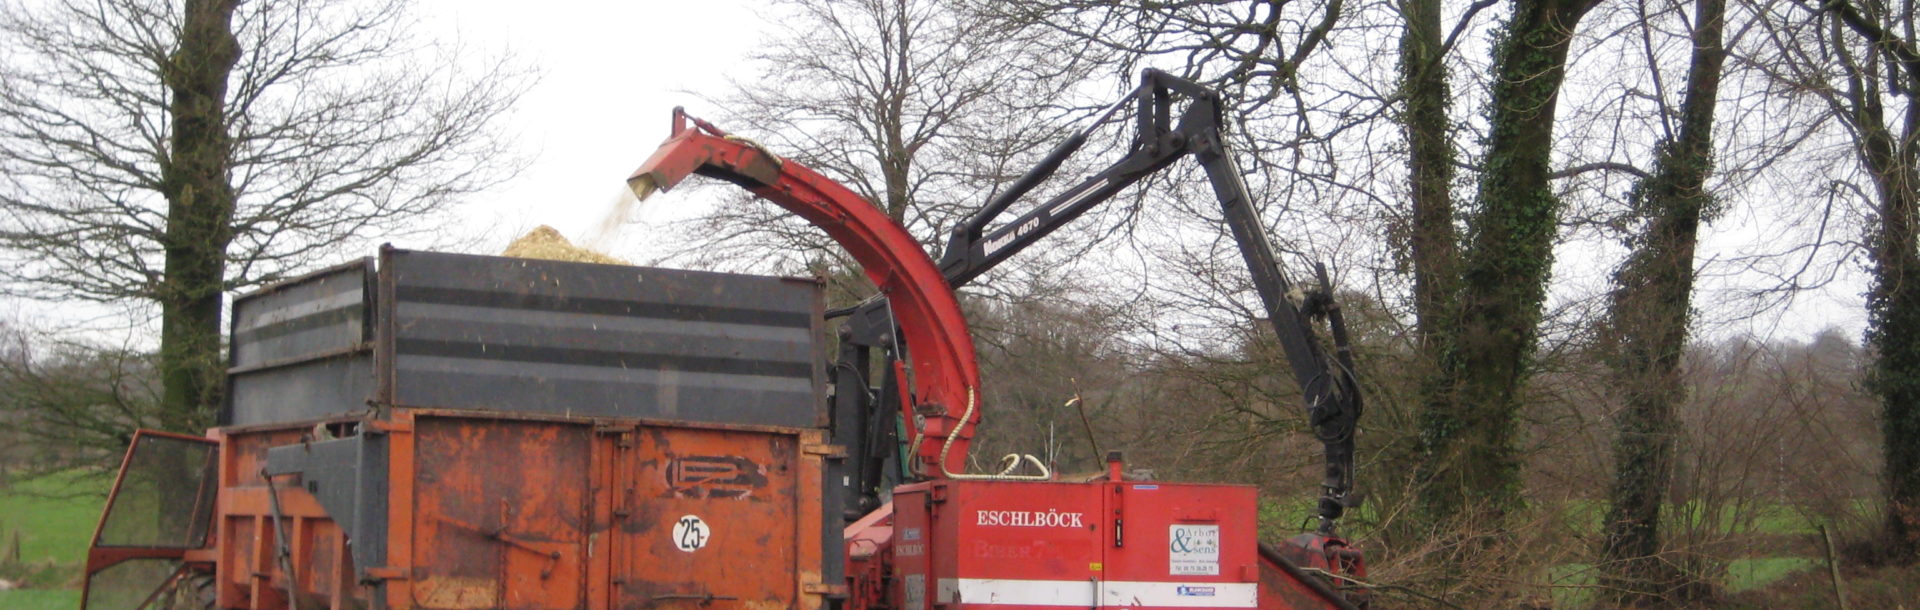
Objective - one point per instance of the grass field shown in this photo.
(1571, 584)
(1586, 516)
(53, 519)
(1749, 574)
(54, 514)
(40, 599)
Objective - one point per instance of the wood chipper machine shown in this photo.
(450, 431)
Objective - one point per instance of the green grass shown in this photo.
(1571, 579)
(53, 518)
(1749, 574)
(1572, 583)
(37, 599)
(54, 515)
(1587, 515)
(1281, 519)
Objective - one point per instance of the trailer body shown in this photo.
(490, 510)
(446, 431)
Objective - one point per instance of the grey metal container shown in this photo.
(454, 331)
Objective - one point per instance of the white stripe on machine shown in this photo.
(1083, 593)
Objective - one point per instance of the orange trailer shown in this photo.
(466, 478)
(487, 511)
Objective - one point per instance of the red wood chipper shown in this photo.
(449, 431)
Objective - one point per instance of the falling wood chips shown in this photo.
(547, 244)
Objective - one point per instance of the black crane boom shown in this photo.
(1327, 384)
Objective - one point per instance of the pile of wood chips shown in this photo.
(545, 243)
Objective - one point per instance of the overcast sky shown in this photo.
(610, 76)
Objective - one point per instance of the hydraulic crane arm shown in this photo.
(944, 380)
(1327, 384)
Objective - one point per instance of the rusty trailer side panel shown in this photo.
(694, 495)
(527, 511)
(501, 513)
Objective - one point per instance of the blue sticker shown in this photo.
(1193, 591)
(1146, 487)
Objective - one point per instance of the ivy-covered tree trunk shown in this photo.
(1893, 325)
(1893, 312)
(200, 204)
(1646, 332)
(1893, 307)
(1470, 469)
(1430, 160)
(1432, 241)
(1886, 140)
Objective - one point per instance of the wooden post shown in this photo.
(1833, 569)
(12, 556)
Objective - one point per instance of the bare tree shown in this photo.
(917, 105)
(1040, 355)
(168, 153)
(1252, 50)
(68, 403)
(1861, 62)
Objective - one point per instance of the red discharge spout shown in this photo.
(939, 349)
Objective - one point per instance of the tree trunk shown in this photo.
(200, 204)
(1470, 469)
(1893, 300)
(1432, 239)
(1647, 330)
(896, 162)
(1893, 331)
(1423, 84)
